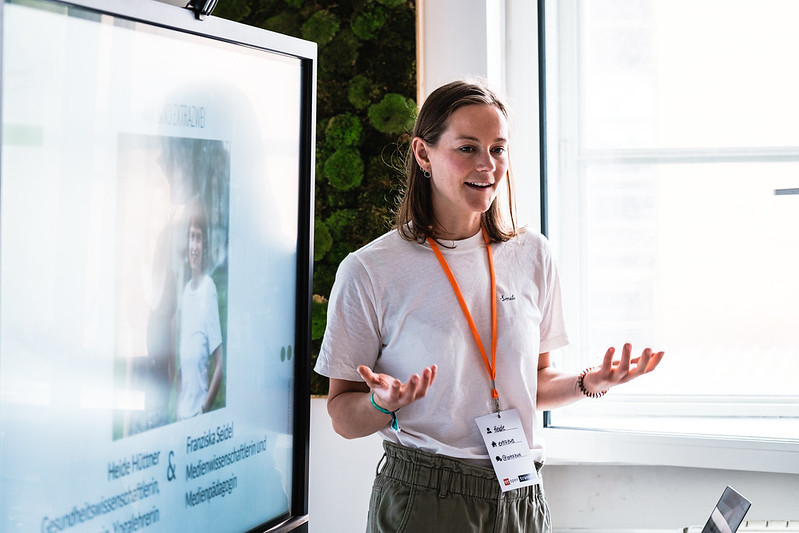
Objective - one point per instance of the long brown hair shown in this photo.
(415, 218)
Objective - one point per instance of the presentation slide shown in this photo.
(148, 261)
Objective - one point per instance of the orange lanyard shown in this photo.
(491, 366)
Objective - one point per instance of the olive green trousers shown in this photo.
(418, 492)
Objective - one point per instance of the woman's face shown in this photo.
(467, 165)
(195, 249)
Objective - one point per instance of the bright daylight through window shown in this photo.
(672, 138)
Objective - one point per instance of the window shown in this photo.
(672, 139)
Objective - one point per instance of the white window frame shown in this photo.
(581, 446)
(565, 446)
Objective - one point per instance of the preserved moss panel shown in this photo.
(365, 108)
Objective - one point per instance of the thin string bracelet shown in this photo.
(585, 391)
(394, 423)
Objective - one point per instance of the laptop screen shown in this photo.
(728, 513)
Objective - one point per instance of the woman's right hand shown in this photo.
(392, 394)
(351, 410)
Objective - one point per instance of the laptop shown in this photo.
(727, 516)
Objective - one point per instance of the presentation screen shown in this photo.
(156, 174)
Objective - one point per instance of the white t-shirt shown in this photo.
(393, 309)
(200, 335)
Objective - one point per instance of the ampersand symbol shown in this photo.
(170, 469)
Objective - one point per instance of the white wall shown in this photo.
(457, 43)
(446, 29)
(610, 497)
(342, 472)
(470, 38)
(622, 497)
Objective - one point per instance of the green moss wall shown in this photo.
(365, 110)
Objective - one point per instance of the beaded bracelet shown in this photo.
(394, 423)
(581, 384)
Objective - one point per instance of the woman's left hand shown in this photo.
(613, 372)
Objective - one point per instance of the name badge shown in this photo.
(508, 449)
